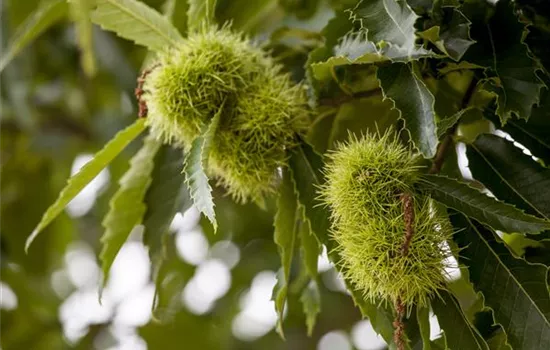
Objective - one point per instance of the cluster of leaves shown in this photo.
(448, 72)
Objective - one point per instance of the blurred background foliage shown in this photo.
(63, 98)
(54, 116)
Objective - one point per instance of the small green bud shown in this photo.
(367, 181)
(262, 113)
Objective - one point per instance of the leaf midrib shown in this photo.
(450, 194)
(141, 19)
(503, 265)
(506, 181)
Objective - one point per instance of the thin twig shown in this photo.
(448, 138)
(398, 335)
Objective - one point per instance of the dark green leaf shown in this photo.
(126, 207)
(201, 13)
(88, 172)
(47, 14)
(513, 288)
(510, 174)
(286, 227)
(311, 302)
(310, 250)
(453, 37)
(500, 46)
(195, 176)
(390, 21)
(535, 133)
(134, 20)
(475, 204)
(423, 317)
(166, 196)
(459, 333)
(306, 169)
(415, 103)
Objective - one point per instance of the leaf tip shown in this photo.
(31, 239)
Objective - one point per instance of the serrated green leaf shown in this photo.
(388, 21)
(306, 169)
(201, 13)
(42, 18)
(514, 289)
(286, 227)
(311, 302)
(80, 12)
(510, 174)
(423, 317)
(500, 46)
(535, 133)
(166, 196)
(88, 172)
(485, 209)
(445, 124)
(415, 103)
(336, 28)
(195, 176)
(126, 208)
(459, 333)
(453, 36)
(134, 20)
(310, 250)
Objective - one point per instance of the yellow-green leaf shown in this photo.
(87, 174)
(133, 20)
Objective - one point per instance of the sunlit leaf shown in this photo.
(134, 20)
(195, 176)
(88, 172)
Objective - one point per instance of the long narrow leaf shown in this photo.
(473, 203)
(459, 333)
(126, 208)
(87, 174)
(515, 289)
(285, 235)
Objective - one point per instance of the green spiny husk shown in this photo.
(366, 181)
(264, 109)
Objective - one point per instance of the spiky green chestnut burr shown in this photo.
(263, 109)
(369, 190)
